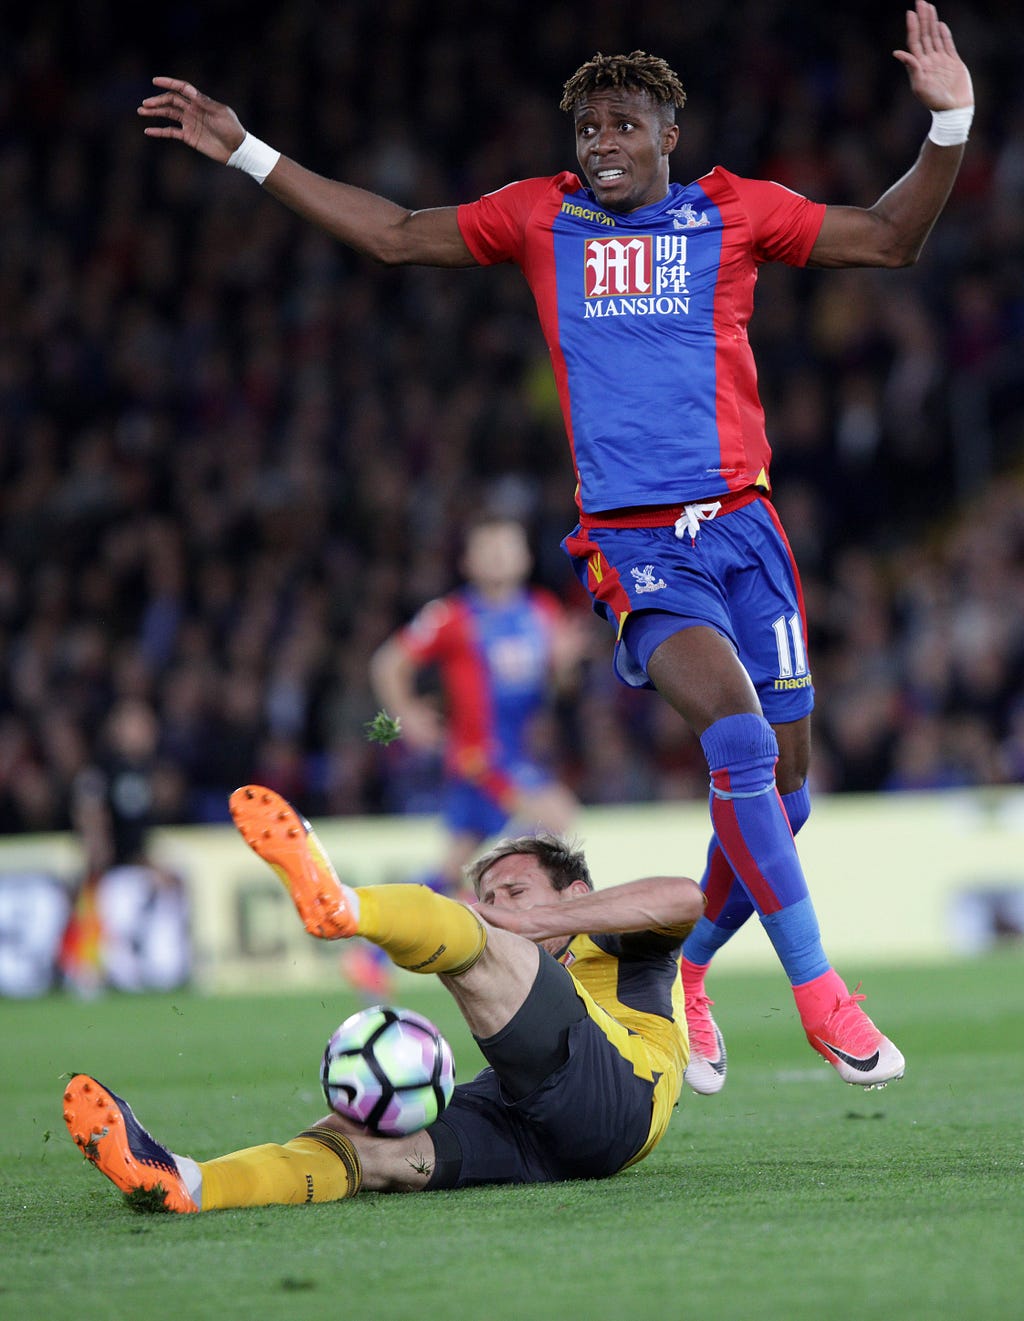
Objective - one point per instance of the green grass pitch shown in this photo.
(788, 1196)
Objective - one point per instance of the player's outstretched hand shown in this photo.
(198, 120)
(938, 76)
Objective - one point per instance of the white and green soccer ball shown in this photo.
(390, 1070)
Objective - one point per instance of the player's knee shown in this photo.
(790, 778)
(740, 740)
(794, 762)
(505, 955)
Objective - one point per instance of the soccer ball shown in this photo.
(388, 1069)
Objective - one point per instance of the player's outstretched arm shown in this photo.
(654, 903)
(894, 230)
(373, 225)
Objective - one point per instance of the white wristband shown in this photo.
(951, 127)
(256, 158)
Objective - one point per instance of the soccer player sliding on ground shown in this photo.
(573, 996)
(644, 290)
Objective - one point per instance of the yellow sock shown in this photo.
(320, 1165)
(420, 930)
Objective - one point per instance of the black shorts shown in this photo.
(585, 1115)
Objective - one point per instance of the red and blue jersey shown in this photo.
(645, 316)
(495, 664)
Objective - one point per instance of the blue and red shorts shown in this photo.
(735, 574)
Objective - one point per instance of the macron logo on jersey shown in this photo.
(635, 276)
(586, 213)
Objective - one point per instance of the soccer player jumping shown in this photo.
(644, 289)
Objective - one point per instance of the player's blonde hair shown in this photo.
(562, 863)
(637, 72)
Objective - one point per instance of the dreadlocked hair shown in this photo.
(637, 72)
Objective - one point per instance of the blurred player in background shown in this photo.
(501, 649)
(130, 926)
(573, 996)
(644, 290)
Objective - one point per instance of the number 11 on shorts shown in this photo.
(789, 640)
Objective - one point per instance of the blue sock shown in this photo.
(795, 933)
(730, 913)
(728, 907)
(753, 831)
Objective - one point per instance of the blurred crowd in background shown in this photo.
(234, 457)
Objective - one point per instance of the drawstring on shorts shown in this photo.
(692, 516)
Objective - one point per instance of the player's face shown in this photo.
(497, 557)
(623, 145)
(519, 881)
